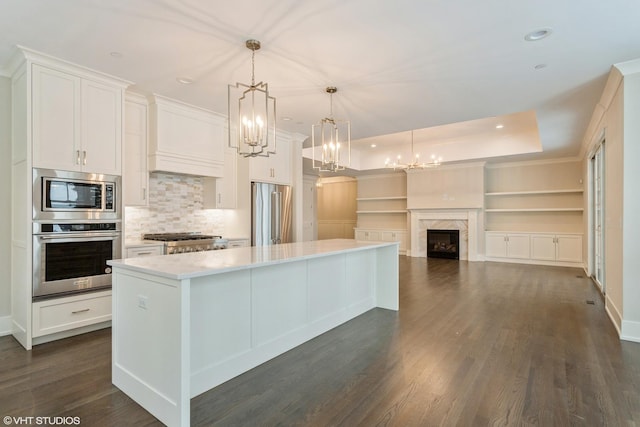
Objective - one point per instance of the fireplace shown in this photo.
(443, 244)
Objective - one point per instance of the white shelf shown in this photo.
(537, 210)
(362, 199)
(525, 193)
(383, 212)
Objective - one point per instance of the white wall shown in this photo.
(615, 117)
(5, 205)
(631, 209)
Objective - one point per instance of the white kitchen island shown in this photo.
(185, 323)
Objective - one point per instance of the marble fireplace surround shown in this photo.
(465, 220)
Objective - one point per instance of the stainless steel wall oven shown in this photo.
(72, 257)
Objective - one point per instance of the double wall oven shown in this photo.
(77, 220)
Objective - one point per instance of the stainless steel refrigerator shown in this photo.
(271, 214)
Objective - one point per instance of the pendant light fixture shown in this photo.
(415, 161)
(331, 141)
(252, 114)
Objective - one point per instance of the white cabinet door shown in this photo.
(569, 248)
(227, 187)
(77, 123)
(136, 175)
(543, 247)
(56, 125)
(496, 245)
(360, 235)
(277, 167)
(222, 193)
(395, 236)
(518, 246)
(101, 128)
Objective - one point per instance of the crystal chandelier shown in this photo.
(332, 139)
(415, 162)
(252, 115)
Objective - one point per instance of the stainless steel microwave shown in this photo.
(66, 195)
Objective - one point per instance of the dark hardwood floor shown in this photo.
(473, 344)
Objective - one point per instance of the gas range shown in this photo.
(177, 243)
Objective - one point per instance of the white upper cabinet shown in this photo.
(222, 193)
(136, 175)
(185, 139)
(77, 122)
(276, 168)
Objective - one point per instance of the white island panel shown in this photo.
(199, 322)
(220, 318)
(327, 286)
(279, 301)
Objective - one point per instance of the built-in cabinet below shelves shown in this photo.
(383, 235)
(534, 248)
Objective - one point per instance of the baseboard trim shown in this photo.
(613, 313)
(5, 326)
(630, 331)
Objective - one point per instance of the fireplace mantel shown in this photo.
(468, 231)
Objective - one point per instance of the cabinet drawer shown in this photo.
(240, 243)
(149, 250)
(62, 314)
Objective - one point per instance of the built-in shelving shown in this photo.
(367, 199)
(524, 193)
(537, 210)
(392, 211)
(382, 202)
(544, 197)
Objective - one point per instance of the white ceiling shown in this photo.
(398, 65)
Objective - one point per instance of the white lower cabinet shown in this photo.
(556, 247)
(535, 248)
(383, 235)
(239, 243)
(62, 314)
(137, 251)
(507, 245)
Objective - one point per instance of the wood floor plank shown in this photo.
(473, 344)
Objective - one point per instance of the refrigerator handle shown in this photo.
(276, 204)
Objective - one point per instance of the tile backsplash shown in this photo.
(175, 205)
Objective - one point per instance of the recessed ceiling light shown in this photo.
(184, 80)
(540, 66)
(116, 55)
(538, 35)
(286, 118)
(373, 145)
(499, 126)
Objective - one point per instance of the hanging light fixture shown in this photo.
(415, 162)
(331, 140)
(252, 115)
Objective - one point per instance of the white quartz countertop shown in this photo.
(197, 264)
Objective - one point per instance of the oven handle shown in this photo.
(76, 236)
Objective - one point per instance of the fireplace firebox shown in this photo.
(443, 244)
